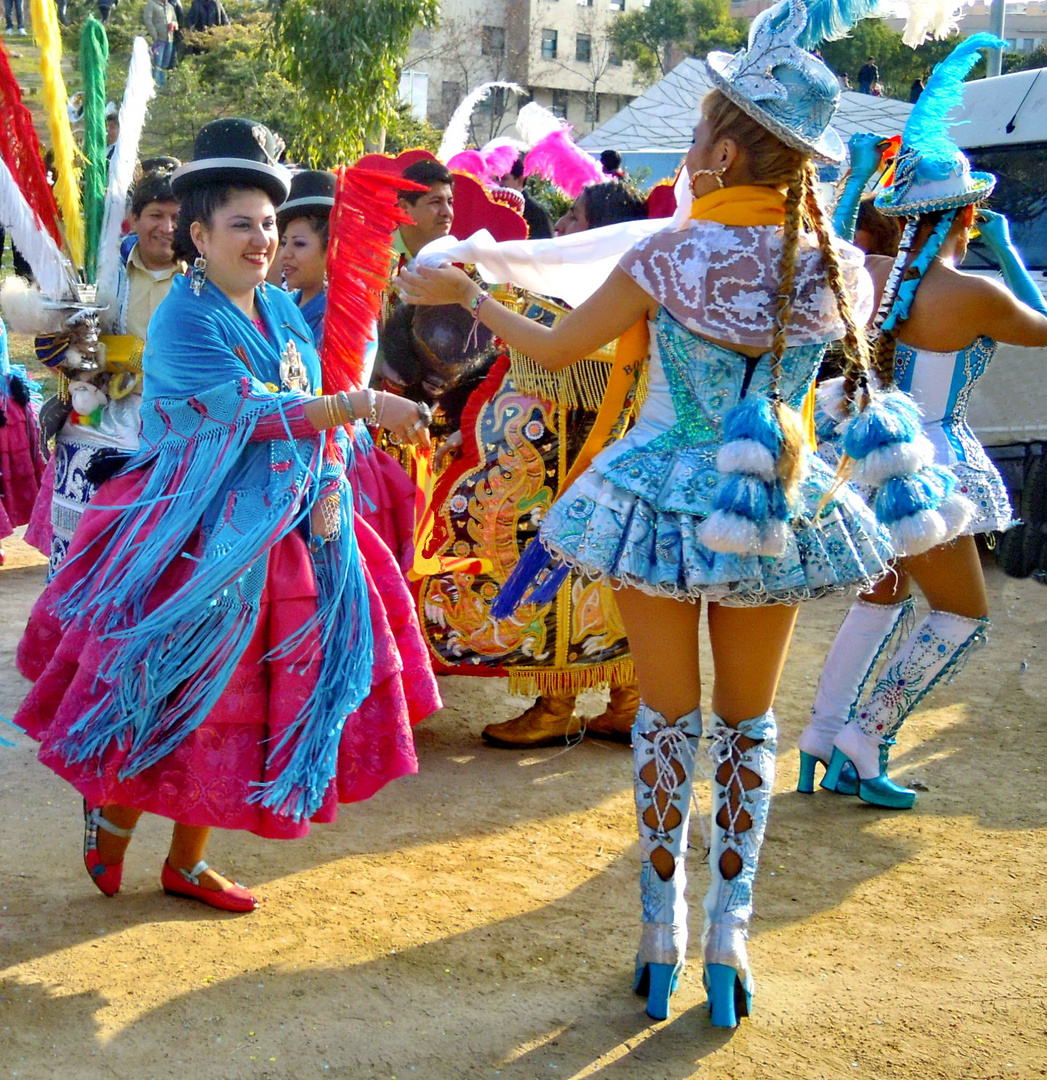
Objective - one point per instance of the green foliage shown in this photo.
(231, 75)
(654, 37)
(405, 132)
(548, 195)
(344, 58)
(1015, 61)
(897, 63)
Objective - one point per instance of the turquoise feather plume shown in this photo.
(829, 20)
(928, 124)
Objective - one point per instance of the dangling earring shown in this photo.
(717, 175)
(198, 275)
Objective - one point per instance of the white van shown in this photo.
(1005, 133)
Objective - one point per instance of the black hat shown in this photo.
(311, 190)
(234, 151)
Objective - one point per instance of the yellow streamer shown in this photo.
(67, 175)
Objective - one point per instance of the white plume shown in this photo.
(534, 122)
(138, 91)
(23, 308)
(456, 134)
(930, 19)
(51, 268)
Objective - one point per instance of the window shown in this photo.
(583, 48)
(618, 5)
(1012, 44)
(492, 41)
(613, 59)
(585, 3)
(549, 39)
(560, 104)
(592, 108)
(1028, 44)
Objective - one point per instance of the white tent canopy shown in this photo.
(664, 116)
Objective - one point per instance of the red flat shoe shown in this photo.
(107, 878)
(179, 882)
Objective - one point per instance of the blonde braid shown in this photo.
(855, 341)
(790, 461)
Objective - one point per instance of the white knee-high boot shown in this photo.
(663, 761)
(739, 820)
(864, 636)
(931, 653)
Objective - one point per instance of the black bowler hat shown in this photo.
(312, 191)
(234, 151)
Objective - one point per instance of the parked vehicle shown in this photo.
(1005, 133)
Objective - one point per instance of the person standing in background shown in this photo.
(868, 76)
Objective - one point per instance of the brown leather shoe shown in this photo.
(550, 721)
(615, 723)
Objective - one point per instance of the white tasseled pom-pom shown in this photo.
(729, 534)
(919, 532)
(773, 538)
(956, 511)
(894, 459)
(748, 457)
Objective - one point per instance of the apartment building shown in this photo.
(559, 51)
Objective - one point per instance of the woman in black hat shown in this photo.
(303, 221)
(226, 657)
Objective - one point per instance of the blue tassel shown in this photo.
(888, 418)
(904, 495)
(744, 496)
(753, 418)
(778, 506)
(535, 561)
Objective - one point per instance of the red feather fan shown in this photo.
(20, 148)
(364, 217)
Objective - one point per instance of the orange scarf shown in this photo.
(742, 204)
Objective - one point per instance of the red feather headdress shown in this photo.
(364, 217)
(20, 148)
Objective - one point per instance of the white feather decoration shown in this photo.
(456, 134)
(52, 270)
(138, 91)
(23, 307)
(534, 122)
(930, 18)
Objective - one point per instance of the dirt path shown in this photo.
(479, 919)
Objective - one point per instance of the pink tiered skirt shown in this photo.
(208, 778)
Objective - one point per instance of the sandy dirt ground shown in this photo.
(480, 918)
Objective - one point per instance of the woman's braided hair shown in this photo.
(771, 163)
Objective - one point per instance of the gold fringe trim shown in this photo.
(535, 681)
(580, 386)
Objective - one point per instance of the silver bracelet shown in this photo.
(372, 419)
(346, 402)
(381, 411)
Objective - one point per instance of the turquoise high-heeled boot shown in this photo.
(864, 637)
(739, 820)
(932, 652)
(663, 763)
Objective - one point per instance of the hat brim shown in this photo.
(982, 187)
(274, 180)
(828, 148)
(305, 205)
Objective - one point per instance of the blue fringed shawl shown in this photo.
(206, 369)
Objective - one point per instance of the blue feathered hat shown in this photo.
(781, 85)
(931, 172)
